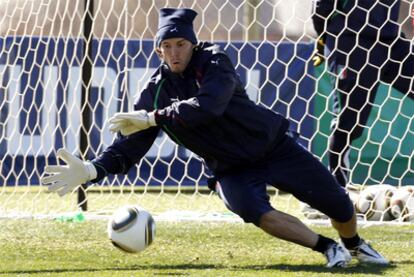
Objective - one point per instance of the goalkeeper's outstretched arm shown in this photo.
(118, 158)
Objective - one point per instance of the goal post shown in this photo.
(42, 56)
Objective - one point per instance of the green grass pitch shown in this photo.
(51, 248)
(45, 247)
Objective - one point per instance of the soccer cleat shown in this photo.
(337, 256)
(365, 253)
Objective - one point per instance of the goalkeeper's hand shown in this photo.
(65, 178)
(318, 56)
(132, 122)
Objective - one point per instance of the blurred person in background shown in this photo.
(363, 44)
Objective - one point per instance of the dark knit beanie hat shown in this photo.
(176, 23)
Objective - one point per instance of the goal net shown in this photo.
(60, 83)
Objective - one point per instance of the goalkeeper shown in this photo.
(196, 97)
(363, 46)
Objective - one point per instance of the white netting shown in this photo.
(269, 41)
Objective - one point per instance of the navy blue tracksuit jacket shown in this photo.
(205, 109)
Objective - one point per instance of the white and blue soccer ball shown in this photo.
(374, 202)
(131, 229)
(402, 204)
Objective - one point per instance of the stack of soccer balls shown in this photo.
(131, 229)
(386, 202)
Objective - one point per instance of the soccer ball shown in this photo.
(131, 229)
(402, 203)
(374, 202)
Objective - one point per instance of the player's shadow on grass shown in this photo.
(311, 268)
(354, 268)
(118, 269)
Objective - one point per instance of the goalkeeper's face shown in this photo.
(176, 53)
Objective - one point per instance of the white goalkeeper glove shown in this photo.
(132, 122)
(65, 178)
